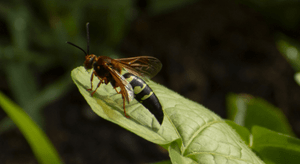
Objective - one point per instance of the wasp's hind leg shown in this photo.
(124, 107)
(123, 102)
(117, 91)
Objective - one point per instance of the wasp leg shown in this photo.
(96, 88)
(117, 91)
(123, 103)
(124, 107)
(91, 81)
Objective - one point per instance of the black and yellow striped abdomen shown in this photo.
(144, 94)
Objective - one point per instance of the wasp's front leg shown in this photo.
(96, 88)
(92, 77)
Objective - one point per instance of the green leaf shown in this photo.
(297, 78)
(245, 110)
(289, 48)
(242, 131)
(38, 141)
(189, 131)
(275, 147)
(176, 157)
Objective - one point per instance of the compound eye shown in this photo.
(91, 60)
(88, 63)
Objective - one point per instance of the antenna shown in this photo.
(88, 37)
(77, 47)
(88, 41)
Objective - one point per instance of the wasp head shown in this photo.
(89, 61)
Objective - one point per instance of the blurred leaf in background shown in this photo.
(275, 147)
(289, 48)
(272, 147)
(241, 130)
(297, 77)
(247, 111)
(37, 139)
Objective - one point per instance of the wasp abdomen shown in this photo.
(144, 94)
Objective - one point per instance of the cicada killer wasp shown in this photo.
(109, 70)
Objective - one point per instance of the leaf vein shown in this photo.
(197, 132)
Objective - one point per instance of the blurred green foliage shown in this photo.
(272, 147)
(297, 78)
(32, 43)
(264, 128)
(37, 139)
(248, 111)
(241, 130)
(275, 148)
(289, 48)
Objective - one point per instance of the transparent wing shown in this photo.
(145, 66)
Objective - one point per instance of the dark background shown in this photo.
(208, 49)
